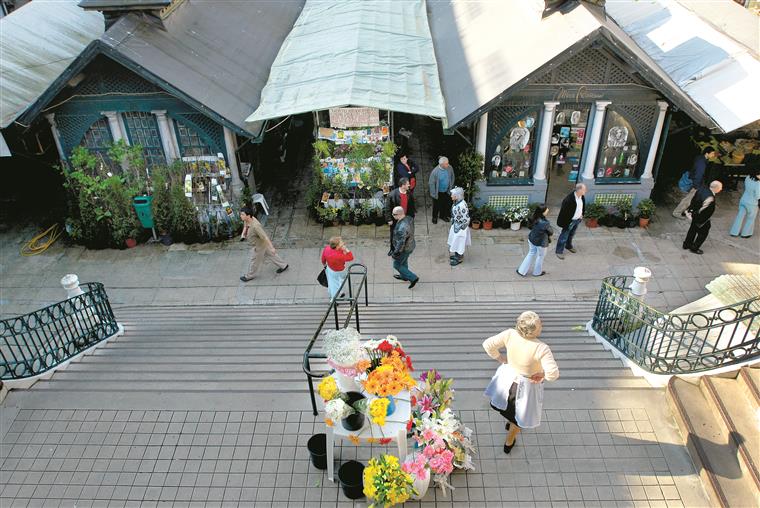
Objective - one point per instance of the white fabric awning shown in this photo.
(368, 53)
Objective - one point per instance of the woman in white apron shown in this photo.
(459, 233)
(516, 390)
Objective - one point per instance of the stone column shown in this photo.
(648, 167)
(230, 144)
(56, 135)
(593, 138)
(481, 138)
(167, 140)
(117, 132)
(544, 140)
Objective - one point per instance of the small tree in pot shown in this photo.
(474, 217)
(487, 215)
(646, 209)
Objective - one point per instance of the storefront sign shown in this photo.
(354, 117)
(576, 95)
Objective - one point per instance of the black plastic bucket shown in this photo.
(317, 446)
(351, 479)
(356, 420)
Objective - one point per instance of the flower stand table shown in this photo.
(393, 430)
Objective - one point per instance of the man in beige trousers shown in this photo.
(261, 246)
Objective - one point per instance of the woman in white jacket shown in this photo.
(516, 390)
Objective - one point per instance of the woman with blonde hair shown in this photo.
(516, 390)
(334, 258)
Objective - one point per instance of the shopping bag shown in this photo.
(322, 278)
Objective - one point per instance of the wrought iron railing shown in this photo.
(354, 289)
(676, 343)
(39, 341)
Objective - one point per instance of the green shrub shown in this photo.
(468, 171)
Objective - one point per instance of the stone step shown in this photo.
(749, 384)
(713, 451)
(740, 422)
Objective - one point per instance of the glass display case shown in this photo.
(619, 151)
(512, 159)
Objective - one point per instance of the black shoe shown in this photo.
(445, 219)
(506, 427)
(521, 275)
(435, 221)
(246, 279)
(414, 283)
(508, 448)
(455, 261)
(390, 252)
(342, 295)
(686, 247)
(280, 270)
(697, 251)
(397, 276)
(571, 249)
(750, 236)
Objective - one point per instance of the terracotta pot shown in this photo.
(131, 243)
(475, 224)
(487, 224)
(592, 222)
(643, 222)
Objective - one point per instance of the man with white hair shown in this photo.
(441, 181)
(570, 216)
(700, 210)
(402, 246)
(459, 233)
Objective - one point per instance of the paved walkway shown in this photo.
(209, 273)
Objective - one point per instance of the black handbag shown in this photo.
(322, 278)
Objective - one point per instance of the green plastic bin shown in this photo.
(144, 210)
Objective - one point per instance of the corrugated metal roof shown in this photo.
(219, 54)
(362, 53)
(37, 42)
(122, 4)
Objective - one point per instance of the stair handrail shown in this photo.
(354, 270)
(34, 343)
(676, 343)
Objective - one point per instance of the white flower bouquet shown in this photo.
(342, 347)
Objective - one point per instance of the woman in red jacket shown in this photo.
(334, 257)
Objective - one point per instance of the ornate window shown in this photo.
(190, 141)
(98, 138)
(142, 129)
(512, 159)
(619, 153)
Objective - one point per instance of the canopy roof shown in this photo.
(37, 42)
(371, 53)
(488, 50)
(714, 70)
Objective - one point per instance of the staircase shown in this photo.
(719, 419)
(236, 358)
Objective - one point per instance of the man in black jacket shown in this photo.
(402, 246)
(570, 216)
(700, 210)
(400, 196)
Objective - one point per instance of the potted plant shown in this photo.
(345, 214)
(646, 209)
(328, 216)
(624, 214)
(474, 217)
(469, 171)
(608, 219)
(594, 212)
(515, 215)
(505, 223)
(487, 215)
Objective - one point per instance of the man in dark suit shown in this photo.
(403, 197)
(700, 210)
(570, 216)
(405, 168)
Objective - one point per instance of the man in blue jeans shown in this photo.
(570, 215)
(402, 246)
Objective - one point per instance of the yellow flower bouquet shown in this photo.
(385, 483)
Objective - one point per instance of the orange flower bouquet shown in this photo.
(389, 378)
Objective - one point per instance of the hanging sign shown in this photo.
(354, 117)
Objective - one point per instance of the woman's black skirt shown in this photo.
(509, 413)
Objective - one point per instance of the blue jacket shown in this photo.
(697, 173)
(541, 233)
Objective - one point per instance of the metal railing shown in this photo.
(676, 343)
(356, 270)
(39, 341)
